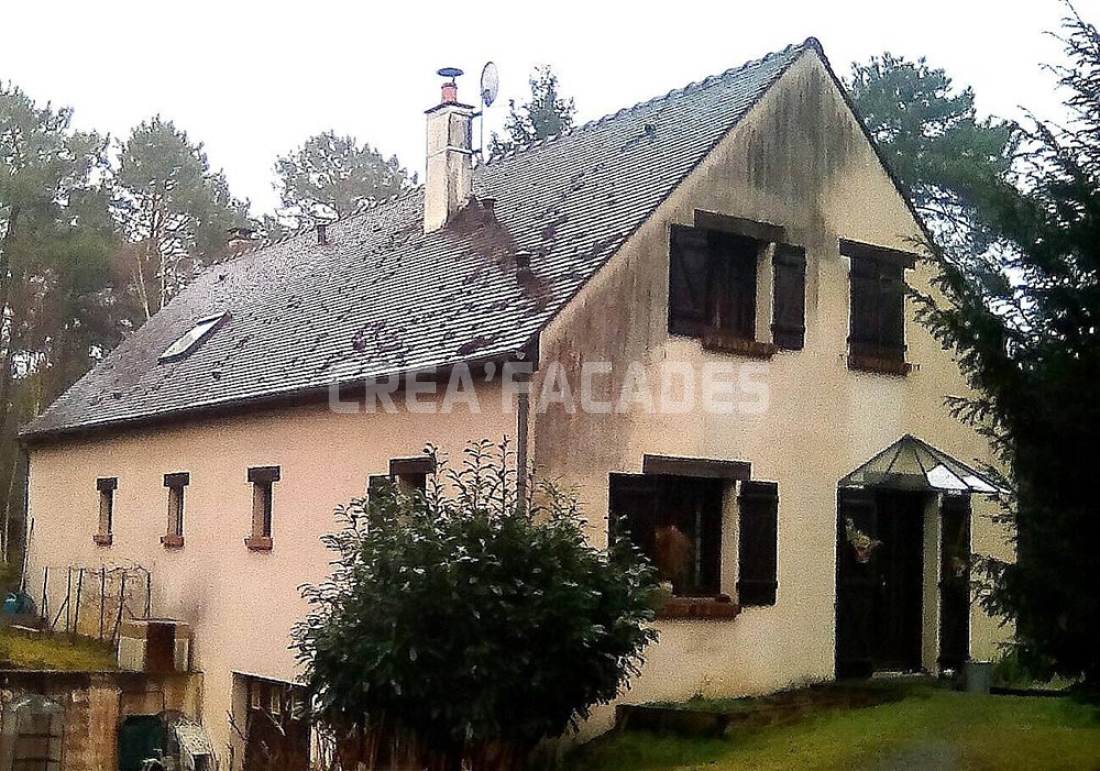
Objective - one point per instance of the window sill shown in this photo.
(723, 343)
(258, 543)
(878, 365)
(172, 541)
(101, 539)
(707, 608)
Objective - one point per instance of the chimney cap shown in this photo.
(449, 72)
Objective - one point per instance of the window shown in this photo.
(712, 283)
(185, 344)
(677, 523)
(277, 736)
(106, 487)
(175, 483)
(412, 473)
(757, 543)
(789, 305)
(263, 479)
(876, 335)
(34, 735)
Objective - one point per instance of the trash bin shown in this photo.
(978, 676)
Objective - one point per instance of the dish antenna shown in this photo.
(490, 84)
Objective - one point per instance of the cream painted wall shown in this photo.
(798, 160)
(242, 604)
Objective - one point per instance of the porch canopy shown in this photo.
(912, 464)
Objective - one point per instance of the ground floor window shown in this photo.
(677, 522)
(276, 727)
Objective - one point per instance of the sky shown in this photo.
(253, 80)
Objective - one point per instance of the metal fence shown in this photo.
(93, 602)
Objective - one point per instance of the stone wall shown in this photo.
(95, 703)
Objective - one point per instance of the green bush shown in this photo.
(470, 625)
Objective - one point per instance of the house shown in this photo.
(691, 311)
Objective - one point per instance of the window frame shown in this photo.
(657, 489)
(189, 341)
(262, 479)
(106, 487)
(412, 473)
(877, 287)
(176, 483)
(729, 294)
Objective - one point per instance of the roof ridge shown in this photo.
(807, 44)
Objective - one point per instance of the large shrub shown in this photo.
(465, 624)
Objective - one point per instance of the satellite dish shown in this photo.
(490, 84)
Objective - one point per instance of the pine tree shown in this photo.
(174, 210)
(546, 114)
(330, 176)
(1024, 319)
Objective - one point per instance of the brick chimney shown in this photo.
(448, 176)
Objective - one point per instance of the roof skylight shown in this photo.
(194, 336)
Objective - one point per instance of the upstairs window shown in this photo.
(176, 484)
(106, 487)
(712, 283)
(263, 479)
(189, 341)
(876, 337)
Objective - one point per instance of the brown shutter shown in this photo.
(757, 546)
(864, 293)
(877, 309)
(789, 307)
(687, 282)
(891, 337)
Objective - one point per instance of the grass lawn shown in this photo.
(928, 729)
(20, 651)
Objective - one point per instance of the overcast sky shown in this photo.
(253, 80)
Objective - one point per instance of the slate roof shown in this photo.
(384, 297)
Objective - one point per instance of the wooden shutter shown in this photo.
(891, 315)
(877, 309)
(687, 281)
(856, 586)
(864, 313)
(757, 543)
(789, 306)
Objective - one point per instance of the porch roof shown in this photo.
(913, 464)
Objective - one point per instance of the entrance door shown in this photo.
(900, 568)
(880, 547)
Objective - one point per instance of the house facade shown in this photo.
(691, 312)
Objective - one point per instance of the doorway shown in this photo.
(880, 581)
